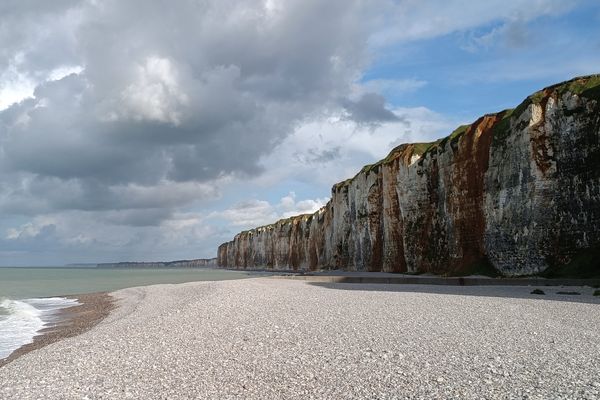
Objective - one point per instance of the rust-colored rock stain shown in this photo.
(518, 190)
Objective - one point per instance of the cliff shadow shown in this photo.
(574, 294)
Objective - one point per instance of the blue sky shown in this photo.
(157, 130)
(468, 76)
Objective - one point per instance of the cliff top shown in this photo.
(282, 221)
(583, 86)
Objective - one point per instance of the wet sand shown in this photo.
(73, 321)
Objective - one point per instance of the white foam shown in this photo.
(21, 320)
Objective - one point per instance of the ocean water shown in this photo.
(21, 320)
(31, 298)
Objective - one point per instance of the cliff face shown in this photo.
(200, 262)
(517, 192)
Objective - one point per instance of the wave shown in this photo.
(21, 320)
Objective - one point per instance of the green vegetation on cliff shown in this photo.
(463, 206)
(584, 86)
(587, 86)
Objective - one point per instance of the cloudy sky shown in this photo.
(155, 130)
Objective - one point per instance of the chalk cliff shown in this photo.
(200, 262)
(516, 192)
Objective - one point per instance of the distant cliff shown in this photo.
(201, 262)
(514, 193)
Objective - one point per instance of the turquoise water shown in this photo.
(21, 283)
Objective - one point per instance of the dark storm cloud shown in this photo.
(141, 217)
(30, 28)
(170, 93)
(35, 195)
(318, 156)
(369, 109)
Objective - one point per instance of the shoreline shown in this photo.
(270, 338)
(72, 321)
(97, 306)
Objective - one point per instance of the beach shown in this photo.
(278, 338)
(72, 321)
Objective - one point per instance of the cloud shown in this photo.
(155, 107)
(41, 227)
(512, 35)
(369, 109)
(325, 151)
(413, 20)
(29, 194)
(314, 155)
(66, 237)
(252, 213)
(114, 125)
(155, 94)
(123, 122)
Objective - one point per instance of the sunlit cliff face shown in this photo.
(515, 193)
(143, 131)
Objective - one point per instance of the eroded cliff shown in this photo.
(196, 263)
(517, 192)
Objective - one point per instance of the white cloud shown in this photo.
(249, 213)
(331, 149)
(173, 105)
(290, 207)
(14, 85)
(62, 71)
(411, 20)
(31, 229)
(156, 93)
(165, 193)
(69, 235)
(252, 213)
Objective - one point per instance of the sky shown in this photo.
(156, 130)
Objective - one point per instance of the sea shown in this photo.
(32, 297)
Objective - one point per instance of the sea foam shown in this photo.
(21, 320)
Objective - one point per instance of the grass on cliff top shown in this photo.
(418, 148)
(501, 130)
(440, 143)
(422, 149)
(278, 222)
(455, 135)
(585, 86)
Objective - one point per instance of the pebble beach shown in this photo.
(270, 338)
